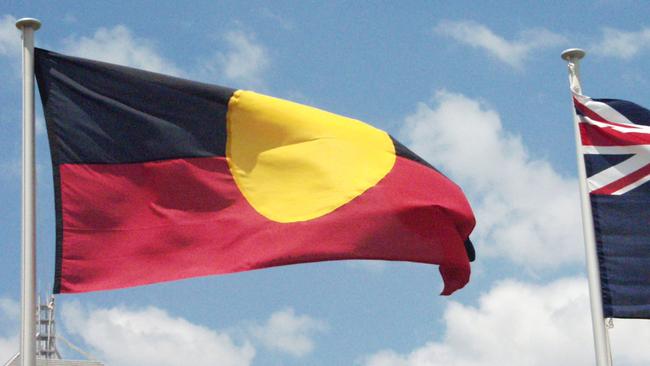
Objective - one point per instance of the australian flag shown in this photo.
(615, 138)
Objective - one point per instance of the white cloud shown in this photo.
(117, 45)
(125, 337)
(526, 325)
(629, 339)
(244, 62)
(9, 328)
(10, 41)
(290, 333)
(513, 52)
(8, 347)
(622, 44)
(150, 336)
(525, 210)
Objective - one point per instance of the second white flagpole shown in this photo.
(601, 341)
(28, 282)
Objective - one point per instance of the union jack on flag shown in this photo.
(605, 129)
(615, 137)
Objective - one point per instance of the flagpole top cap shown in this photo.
(28, 23)
(573, 54)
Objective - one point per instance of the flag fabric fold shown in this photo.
(615, 137)
(158, 178)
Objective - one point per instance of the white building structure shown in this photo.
(47, 353)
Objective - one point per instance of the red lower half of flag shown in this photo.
(134, 224)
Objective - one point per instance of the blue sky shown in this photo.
(477, 89)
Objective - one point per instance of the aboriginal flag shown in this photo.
(158, 178)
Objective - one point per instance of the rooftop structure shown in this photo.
(47, 353)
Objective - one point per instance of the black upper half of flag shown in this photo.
(102, 113)
(98, 109)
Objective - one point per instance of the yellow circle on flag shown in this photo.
(296, 163)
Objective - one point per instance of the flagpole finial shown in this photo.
(33, 23)
(573, 54)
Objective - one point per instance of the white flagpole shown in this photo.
(28, 326)
(601, 341)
